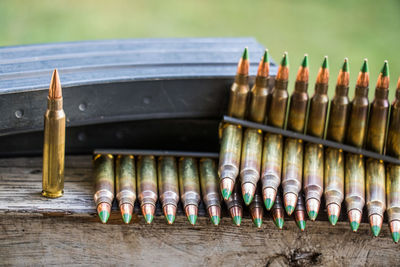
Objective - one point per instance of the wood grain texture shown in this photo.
(66, 231)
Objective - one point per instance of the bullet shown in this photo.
(393, 200)
(299, 99)
(189, 186)
(313, 178)
(250, 163)
(271, 168)
(54, 141)
(293, 149)
(235, 206)
(278, 212)
(379, 113)
(300, 213)
(260, 92)
(168, 186)
(279, 97)
(209, 189)
(292, 173)
(339, 107)
(125, 180)
(147, 186)
(393, 143)
(334, 183)
(319, 102)
(256, 209)
(229, 158)
(354, 189)
(240, 88)
(376, 198)
(357, 125)
(103, 176)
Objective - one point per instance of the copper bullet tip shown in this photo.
(333, 213)
(355, 219)
(290, 201)
(375, 222)
(191, 213)
(148, 212)
(169, 213)
(126, 212)
(269, 195)
(55, 91)
(236, 214)
(248, 190)
(215, 214)
(243, 65)
(227, 185)
(312, 207)
(104, 210)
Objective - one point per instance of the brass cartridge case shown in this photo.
(125, 180)
(318, 110)
(209, 183)
(393, 192)
(103, 176)
(393, 141)
(53, 149)
(260, 99)
(357, 125)
(238, 96)
(271, 162)
(229, 156)
(277, 109)
(168, 184)
(189, 184)
(292, 172)
(377, 121)
(147, 180)
(355, 182)
(338, 117)
(313, 171)
(375, 187)
(334, 176)
(251, 156)
(298, 108)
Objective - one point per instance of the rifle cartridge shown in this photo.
(54, 141)
(376, 198)
(229, 157)
(235, 206)
(393, 200)
(125, 181)
(103, 176)
(147, 186)
(189, 186)
(379, 113)
(393, 142)
(168, 186)
(209, 188)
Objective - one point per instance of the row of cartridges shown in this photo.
(268, 162)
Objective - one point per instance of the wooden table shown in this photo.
(38, 231)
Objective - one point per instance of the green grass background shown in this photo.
(355, 29)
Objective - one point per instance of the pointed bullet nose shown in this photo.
(236, 214)
(325, 64)
(375, 221)
(215, 214)
(227, 187)
(285, 59)
(385, 69)
(290, 201)
(312, 207)
(104, 210)
(304, 63)
(126, 212)
(333, 213)
(269, 195)
(302, 225)
(191, 213)
(279, 223)
(395, 229)
(257, 222)
(248, 190)
(245, 55)
(364, 67)
(169, 213)
(354, 226)
(148, 212)
(55, 91)
(355, 219)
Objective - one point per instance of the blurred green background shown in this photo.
(354, 29)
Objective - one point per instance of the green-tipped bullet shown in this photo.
(279, 223)
(268, 203)
(226, 194)
(126, 218)
(385, 69)
(258, 222)
(304, 63)
(333, 219)
(302, 225)
(364, 67)
(325, 64)
(289, 209)
(149, 218)
(354, 226)
(285, 59)
(376, 230)
(247, 199)
(345, 67)
(237, 220)
(104, 215)
(313, 215)
(215, 220)
(395, 237)
(245, 55)
(192, 219)
(266, 56)
(170, 218)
